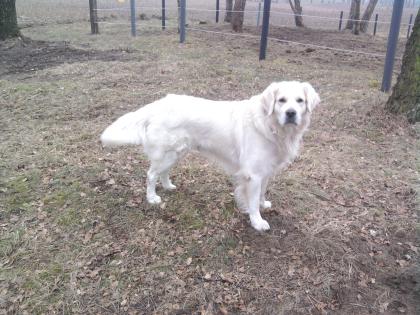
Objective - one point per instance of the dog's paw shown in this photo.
(266, 204)
(169, 186)
(154, 200)
(259, 224)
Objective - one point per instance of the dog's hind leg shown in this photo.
(152, 177)
(241, 198)
(160, 167)
(167, 163)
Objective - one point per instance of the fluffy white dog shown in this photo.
(251, 139)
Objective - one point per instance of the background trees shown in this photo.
(228, 15)
(297, 10)
(353, 22)
(405, 97)
(8, 20)
(238, 15)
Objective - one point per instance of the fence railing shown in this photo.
(390, 56)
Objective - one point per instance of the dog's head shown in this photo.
(289, 102)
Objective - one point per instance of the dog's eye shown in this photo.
(283, 100)
(299, 100)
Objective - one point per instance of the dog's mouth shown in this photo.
(291, 122)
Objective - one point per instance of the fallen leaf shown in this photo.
(226, 278)
(291, 271)
(88, 237)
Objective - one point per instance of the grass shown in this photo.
(77, 235)
(20, 191)
(10, 242)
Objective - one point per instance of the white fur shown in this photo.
(250, 139)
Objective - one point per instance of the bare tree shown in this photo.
(367, 15)
(8, 19)
(178, 2)
(350, 20)
(229, 6)
(297, 10)
(353, 22)
(405, 97)
(238, 15)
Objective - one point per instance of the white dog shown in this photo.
(251, 139)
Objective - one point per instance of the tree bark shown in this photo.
(349, 24)
(367, 15)
(229, 6)
(297, 11)
(356, 25)
(238, 15)
(8, 19)
(178, 3)
(405, 97)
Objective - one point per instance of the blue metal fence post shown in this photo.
(376, 24)
(133, 17)
(163, 14)
(182, 22)
(264, 31)
(93, 10)
(259, 14)
(394, 31)
(217, 10)
(341, 21)
(410, 25)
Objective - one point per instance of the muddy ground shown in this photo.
(77, 236)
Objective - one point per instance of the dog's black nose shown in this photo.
(291, 114)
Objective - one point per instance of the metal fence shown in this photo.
(318, 14)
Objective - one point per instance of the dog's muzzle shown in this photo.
(291, 117)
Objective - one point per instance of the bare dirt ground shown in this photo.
(77, 236)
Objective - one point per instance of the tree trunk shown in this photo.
(356, 25)
(405, 97)
(8, 19)
(178, 3)
(349, 24)
(297, 10)
(238, 15)
(367, 15)
(229, 6)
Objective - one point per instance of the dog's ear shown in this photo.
(268, 98)
(312, 97)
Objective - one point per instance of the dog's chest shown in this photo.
(287, 150)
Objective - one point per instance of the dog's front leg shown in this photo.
(253, 195)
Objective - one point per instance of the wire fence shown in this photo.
(319, 14)
(191, 13)
(117, 12)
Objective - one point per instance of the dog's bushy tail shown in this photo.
(128, 129)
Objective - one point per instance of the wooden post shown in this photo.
(93, 12)
(341, 21)
(376, 24)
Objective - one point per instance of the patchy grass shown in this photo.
(77, 235)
